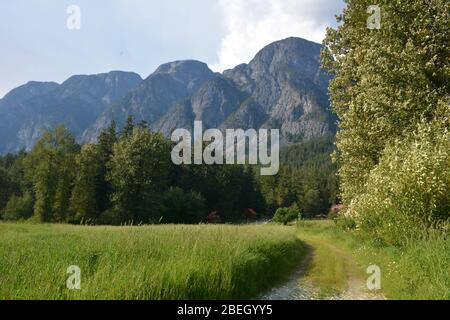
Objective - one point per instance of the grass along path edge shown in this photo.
(334, 273)
(420, 270)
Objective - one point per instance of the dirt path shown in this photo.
(296, 287)
(327, 272)
(355, 284)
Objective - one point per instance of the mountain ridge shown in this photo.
(282, 87)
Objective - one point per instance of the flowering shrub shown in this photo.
(408, 192)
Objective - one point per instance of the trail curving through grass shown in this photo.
(328, 271)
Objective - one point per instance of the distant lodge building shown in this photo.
(336, 208)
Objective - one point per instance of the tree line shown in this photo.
(128, 177)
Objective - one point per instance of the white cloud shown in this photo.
(252, 24)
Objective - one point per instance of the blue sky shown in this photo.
(139, 35)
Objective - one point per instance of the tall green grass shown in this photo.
(149, 262)
(418, 270)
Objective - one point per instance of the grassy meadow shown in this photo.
(148, 262)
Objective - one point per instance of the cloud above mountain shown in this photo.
(251, 24)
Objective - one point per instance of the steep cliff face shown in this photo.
(283, 87)
(213, 103)
(12, 113)
(169, 84)
(286, 81)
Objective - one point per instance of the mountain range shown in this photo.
(283, 87)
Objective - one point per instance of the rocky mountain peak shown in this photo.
(292, 52)
(106, 86)
(289, 56)
(192, 73)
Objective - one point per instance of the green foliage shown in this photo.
(106, 141)
(386, 81)
(286, 215)
(310, 201)
(222, 187)
(5, 187)
(19, 207)
(391, 93)
(128, 128)
(183, 207)
(139, 170)
(12, 180)
(83, 202)
(306, 178)
(408, 190)
(238, 191)
(345, 223)
(111, 217)
(50, 167)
